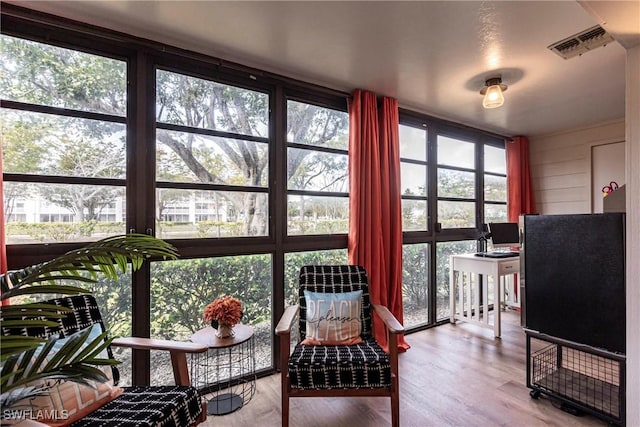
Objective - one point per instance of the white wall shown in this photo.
(561, 166)
(633, 233)
(607, 167)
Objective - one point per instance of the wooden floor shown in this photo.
(453, 375)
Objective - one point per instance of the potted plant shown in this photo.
(110, 257)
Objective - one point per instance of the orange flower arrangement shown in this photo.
(225, 310)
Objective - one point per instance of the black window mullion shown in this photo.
(59, 111)
(141, 197)
(316, 193)
(319, 148)
(210, 132)
(479, 152)
(203, 186)
(278, 207)
(61, 179)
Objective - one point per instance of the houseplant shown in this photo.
(109, 256)
(223, 314)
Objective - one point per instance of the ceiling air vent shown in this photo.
(582, 42)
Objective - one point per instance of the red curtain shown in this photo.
(520, 190)
(375, 223)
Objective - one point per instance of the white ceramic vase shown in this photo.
(224, 330)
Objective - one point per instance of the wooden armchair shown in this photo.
(318, 369)
(179, 405)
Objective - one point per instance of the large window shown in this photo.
(245, 173)
(453, 180)
(317, 170)
(180, 290)
(456, 183)
(63, 143)
(414, 177)
(414, 190)
(212, 158)
(103, 136)
(495, 184)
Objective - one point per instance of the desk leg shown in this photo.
(503, 292)
(497, 310)
(452, 292)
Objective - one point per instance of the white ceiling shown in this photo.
(432, 56)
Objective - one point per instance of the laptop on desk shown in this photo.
(498, 254)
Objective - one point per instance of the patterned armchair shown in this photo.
(334, 359)
(179, 405)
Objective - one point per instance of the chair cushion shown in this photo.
(363, 365)
(148, 406)
(335, 279)
(85, 314)
(65, 401)
(333, 318)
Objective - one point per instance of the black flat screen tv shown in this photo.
(574, 278)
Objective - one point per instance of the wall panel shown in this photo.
(561, 166)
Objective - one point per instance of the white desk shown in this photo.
(464, 288)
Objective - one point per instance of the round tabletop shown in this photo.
(207, 336)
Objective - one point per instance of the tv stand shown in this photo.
(584, 378)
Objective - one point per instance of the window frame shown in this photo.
(144, 58)
(434, 233)
(322, 102)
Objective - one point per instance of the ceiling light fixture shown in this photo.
(492, 92)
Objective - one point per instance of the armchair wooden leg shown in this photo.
(395, 402)
(395, 410)
(203, 416)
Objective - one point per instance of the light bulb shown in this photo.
(493, 98)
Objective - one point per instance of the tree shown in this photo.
(47, 75)
(203, 104)
(415, 276)
(81, 156)
(21, 154)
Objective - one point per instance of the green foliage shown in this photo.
(295, 260)
(414, 215)
(443, 251)
(181, 289)
(219, 229)
(49, 75)
(21, 153)
(114, 299)
(453, 183)
(415, 276)
(63, 231)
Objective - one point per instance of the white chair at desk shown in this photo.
(466, 302)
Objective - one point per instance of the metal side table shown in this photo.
(226, 372)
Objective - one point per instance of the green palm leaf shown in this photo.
(27, 359)
(102, 256)
(75, 361)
